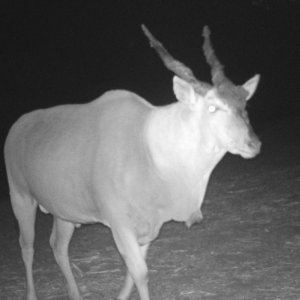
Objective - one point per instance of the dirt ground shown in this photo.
(247, 246)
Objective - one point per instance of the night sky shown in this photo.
(56, 52)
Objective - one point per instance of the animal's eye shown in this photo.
(212, 108)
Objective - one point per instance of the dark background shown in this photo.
(56, 52)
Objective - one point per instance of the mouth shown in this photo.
(249, 152)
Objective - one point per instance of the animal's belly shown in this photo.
(70, 210)
(62, 186)
(66, 197)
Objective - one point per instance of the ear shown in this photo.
(183, 91)
(251, 85)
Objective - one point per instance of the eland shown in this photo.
(123, 162)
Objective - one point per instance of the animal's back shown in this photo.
(57, 156)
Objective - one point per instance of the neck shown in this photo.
(179, 144)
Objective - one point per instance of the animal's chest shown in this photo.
(155, 202)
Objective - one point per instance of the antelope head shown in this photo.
(224, 103)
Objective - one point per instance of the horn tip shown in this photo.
(206, 31)
(145, 29)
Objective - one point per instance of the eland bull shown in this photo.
(125, 163)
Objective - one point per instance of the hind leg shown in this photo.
(24, 208)
(60, 238)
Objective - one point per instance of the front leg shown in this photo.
(134, 257)
(128, 284)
